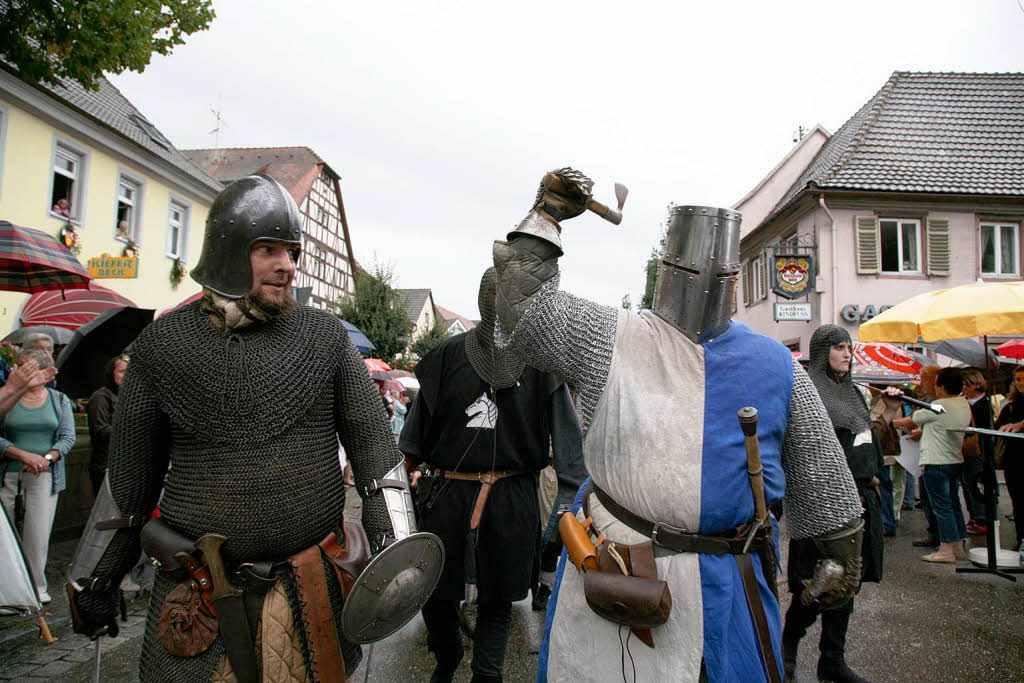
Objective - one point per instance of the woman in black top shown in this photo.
(101, 418)
(1011, 419)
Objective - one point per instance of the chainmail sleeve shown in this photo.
(568, 336)
(363, 430)
(820, 492)
(139, 447)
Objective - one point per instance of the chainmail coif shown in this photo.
(499, 368)
(248, 421)
(845, 405)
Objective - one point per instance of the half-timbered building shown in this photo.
(326, 270)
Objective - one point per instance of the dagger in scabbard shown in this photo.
(229, 603)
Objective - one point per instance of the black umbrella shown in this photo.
(59, 335)
(968, 351)
(82, 361)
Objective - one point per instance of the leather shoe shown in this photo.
(925, 543)
(540, 598)
(838, 672)
(939, 558)
(959, 551)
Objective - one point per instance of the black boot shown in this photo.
(540, 598)
(483, 678)
(444, 672)
(789, 648)
(838, 672)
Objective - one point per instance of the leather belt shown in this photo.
(680, 540)
(487, 480)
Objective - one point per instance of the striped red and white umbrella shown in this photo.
(70, 309)
(32, 261)
(195, 297)
(886, 356)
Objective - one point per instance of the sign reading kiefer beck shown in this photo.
(793, 275)
(108, 266)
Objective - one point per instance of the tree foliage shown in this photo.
(376, 309)
(434, 336)
(652, 277)
(80, 39)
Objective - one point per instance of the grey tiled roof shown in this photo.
(413, 301)
(928, 132)
(110, 108)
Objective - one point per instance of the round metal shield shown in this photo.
(392, 588)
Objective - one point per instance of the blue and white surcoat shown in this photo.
(664, 441)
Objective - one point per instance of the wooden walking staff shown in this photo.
(755, 472)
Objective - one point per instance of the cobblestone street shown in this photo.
(922, 623)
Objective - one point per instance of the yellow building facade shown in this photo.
(122, 182)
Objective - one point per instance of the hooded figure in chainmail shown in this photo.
(675, 492)
(481, 429)
(831, 352)
(234, 406)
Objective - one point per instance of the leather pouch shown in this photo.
(348, 555)
(629, 600)
(187, 626)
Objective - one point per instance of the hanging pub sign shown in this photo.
(108, 266)
(794, 275)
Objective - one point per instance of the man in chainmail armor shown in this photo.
(480, 429)
(245, 395)
(829, 369)
(683, 487)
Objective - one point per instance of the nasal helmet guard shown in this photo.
(252, 209)
(699, 268)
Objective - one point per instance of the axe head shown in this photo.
(620, 194)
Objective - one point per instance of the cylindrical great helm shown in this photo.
(251, 209)
(700, 265)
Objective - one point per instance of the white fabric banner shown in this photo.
(910, 456)
(16, 588)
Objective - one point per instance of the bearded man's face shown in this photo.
(273, 269)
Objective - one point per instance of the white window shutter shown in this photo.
(764, 276)
(747, 284)
(940, 252)
(868, 258)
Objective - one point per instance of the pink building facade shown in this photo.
(922, 189)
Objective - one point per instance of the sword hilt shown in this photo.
(210, 545)
(755, 473)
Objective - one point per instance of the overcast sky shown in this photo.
(441, 117)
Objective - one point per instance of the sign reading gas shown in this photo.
(108, 266)
(852, 314)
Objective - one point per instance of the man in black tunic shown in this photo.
(481, 429)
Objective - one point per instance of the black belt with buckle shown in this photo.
(679, 540)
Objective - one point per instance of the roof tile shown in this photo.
(928, 132)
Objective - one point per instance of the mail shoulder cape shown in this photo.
(249, 422)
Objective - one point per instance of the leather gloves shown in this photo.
(563, 194)
(836, 576)
(94, 612)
